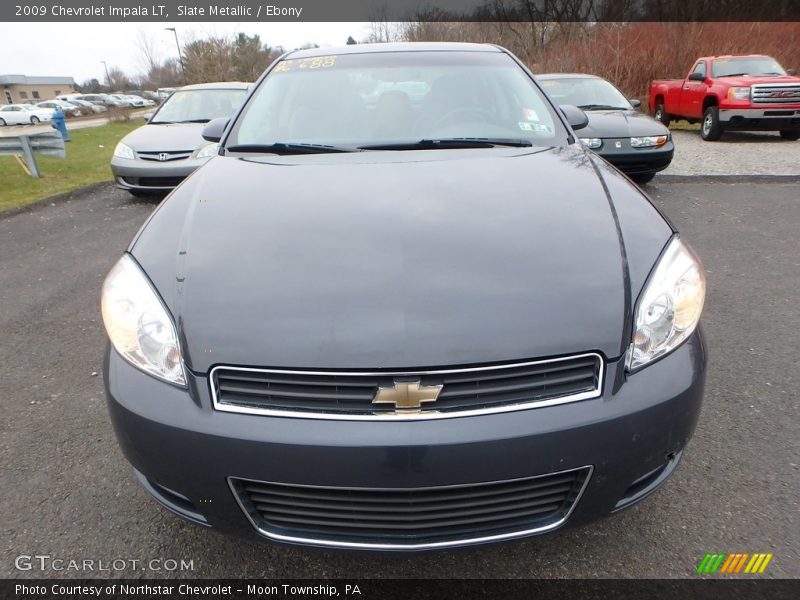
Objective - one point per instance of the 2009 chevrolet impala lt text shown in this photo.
(403, 308)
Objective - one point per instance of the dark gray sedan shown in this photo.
(634, 142)
(391, 325)
(158, 156)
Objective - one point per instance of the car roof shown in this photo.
(734, 56)
(394, 47)
(218, 85)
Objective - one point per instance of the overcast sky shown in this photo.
(76, 49)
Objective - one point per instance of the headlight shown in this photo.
(123, 151)
(138, 325)
(207, 150)
(738, 93)
(649, 141)
(669, 308)
(592, 142)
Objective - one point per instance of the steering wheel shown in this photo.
(484, 115)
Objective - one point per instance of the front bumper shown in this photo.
(769, 118)
(152, 176)
(185, 452)
(636, 161)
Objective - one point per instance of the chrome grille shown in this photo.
(464, 391)
(410, 517)
(168, 155)
(776, 93)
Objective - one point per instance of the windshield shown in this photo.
(197, 106)
(585, 92)
(384, 99)
(754, 65)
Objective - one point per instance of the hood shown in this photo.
(390, 259)
(166, 138)
(620, 124)
(746, 80)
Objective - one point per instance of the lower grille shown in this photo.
(411, 517)
(469, 390)
(155, 182)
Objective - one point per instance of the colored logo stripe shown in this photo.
(722, 562)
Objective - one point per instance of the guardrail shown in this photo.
(28, 141)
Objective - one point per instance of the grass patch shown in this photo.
(86, 163)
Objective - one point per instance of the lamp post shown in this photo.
(180, 56)
(108, 79)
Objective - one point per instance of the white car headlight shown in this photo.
(649, 141)
(138, 325)
(592, 142)
(670, 305)
(123, 151)
(207, 150)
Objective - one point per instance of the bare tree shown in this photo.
(148, 57)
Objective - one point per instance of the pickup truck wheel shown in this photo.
(661, 115)
(790, 134)
(711, 128)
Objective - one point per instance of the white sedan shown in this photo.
(66, 107)
(23, 114)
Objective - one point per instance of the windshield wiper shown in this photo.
(450, 143)
(601, 107)
(289, 148)
(194, 121)
(734, 75)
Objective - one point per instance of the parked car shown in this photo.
(164, 93)
(88, 106)
(336, 335)
(748, 92)
(158, 156)
(635, 143)
(69, 109)
(103, 100)
(23, 114)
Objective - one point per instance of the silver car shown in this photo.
(158, 156)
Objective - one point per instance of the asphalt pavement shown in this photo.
(68, 493)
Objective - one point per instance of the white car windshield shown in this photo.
(366, 100)
(199, 106)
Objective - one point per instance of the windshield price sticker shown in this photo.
(316, 62)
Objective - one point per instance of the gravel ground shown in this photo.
(68, 492)
(737, 153)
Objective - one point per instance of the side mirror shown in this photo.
(576, 118)
(791, 71)
(635, 102)
(214, 129)
(147, 116)
(697, 77)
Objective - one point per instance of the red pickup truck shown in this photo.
(751, 92)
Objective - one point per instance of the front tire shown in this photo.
(2, 123)
(711, 128)
(642, 178)
(34, 120)
(790, 134)
(661, 115)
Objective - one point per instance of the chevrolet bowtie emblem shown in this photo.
(407, 395)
